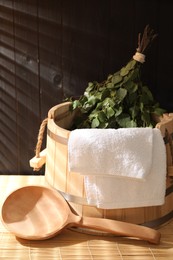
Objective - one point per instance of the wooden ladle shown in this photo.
(37, 213)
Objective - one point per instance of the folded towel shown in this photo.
(125, 152)
(113, 192)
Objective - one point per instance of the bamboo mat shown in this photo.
(70, 245)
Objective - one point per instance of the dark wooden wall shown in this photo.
(51, 49)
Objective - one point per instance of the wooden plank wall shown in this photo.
(51, 49)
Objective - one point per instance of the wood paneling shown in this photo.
(8, 99)
(51, 49)
(50, 54)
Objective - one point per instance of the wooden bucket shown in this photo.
(71, 185)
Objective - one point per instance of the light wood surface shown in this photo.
(73, 245)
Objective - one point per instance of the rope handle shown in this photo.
(40, 157)
(40, 137)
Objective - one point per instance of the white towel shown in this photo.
(113, 192)
(125, 152)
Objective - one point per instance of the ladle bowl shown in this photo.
(38, 213)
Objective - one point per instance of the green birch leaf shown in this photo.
(101, 116)
(110, 112)
(109, 77)
(148, 93)
(90, 86)
(98, 96)
(85, 108)
(102, 88)
(108, 102)
(131, 87)
(146, 118)
(141, 105)
(123, 120)
(113, 94)
(75, 104)
(82, 100)
(99, 106)
(92, 100)
(134, 111)
(118, 111)
(93, 114)
(103, 125)
(116, 79)
(131, 64)
(131, 123)
(121, 93)
(110, 85)
(95, 123)
(124, 71)
(131, 76)
(105, 94)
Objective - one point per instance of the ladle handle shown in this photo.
(121, 228)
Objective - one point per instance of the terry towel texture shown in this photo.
(125, 152)
(111, 191)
